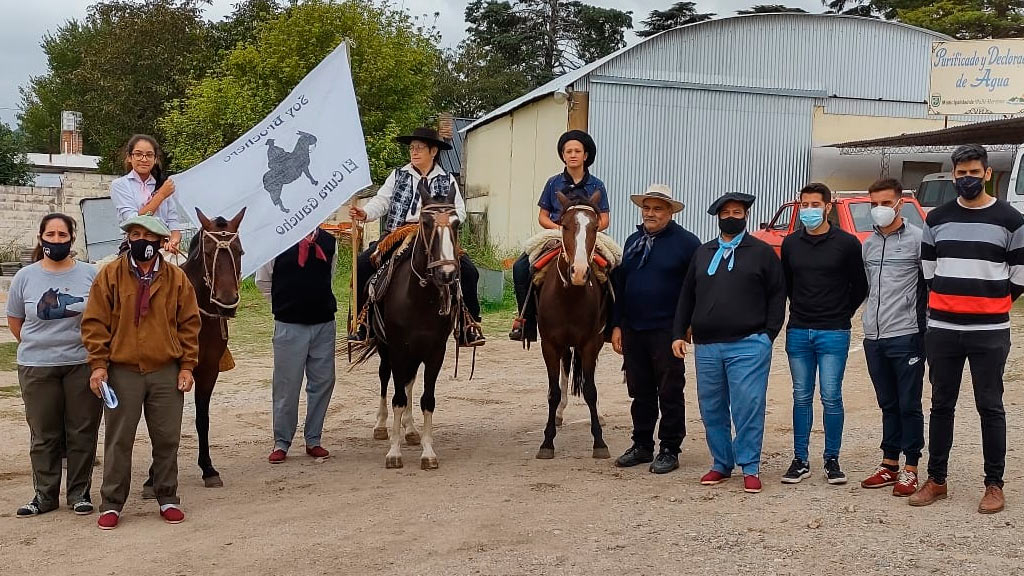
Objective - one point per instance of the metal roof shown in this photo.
(571, 78)
(996, 132)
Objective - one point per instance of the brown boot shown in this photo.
(992, 501)
(928, 494)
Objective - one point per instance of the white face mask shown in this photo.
(883, 215)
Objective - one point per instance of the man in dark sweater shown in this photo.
(647, 284)
(972, 255)
(734, 302)
(298, 284)
(826, 283)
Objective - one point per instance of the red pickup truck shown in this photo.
(850, 213)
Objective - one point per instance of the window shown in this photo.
(782, 218)
(936, 193)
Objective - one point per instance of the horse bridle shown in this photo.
(223, 240)
(564, 254)
(446, 210)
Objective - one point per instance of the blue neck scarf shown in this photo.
(727, 251)
(644, 244)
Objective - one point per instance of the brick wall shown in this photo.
(22, 207)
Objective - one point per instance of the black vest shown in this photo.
(303, 295)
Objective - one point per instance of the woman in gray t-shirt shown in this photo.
(44, 309)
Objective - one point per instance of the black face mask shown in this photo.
(56, 251)
(732, 226)
(144, 250)
(969, 187)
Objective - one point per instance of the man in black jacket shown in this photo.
(298, 285)
(733, 302)
(826, 283)
(647, 283)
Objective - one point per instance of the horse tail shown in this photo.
(577, 372)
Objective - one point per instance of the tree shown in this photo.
(241, 25)
(14, 168)
(961, 19)
(771, 9)
(969, 19)
(393, 66)
(472, 80)
(545, 38)
(680, 14)
(118, 68)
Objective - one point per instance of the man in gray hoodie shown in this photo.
(894, 323)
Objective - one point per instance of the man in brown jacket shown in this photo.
(141, 329)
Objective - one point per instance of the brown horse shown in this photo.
(412, 321)
(571, 315)
(214, 267)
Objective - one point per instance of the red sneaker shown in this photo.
(173, 515)
(751, 484)
(713, 477)
(906, 485)
(108, 520)
(881, 478)
(277, 456)
(318, 452)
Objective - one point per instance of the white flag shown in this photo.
(290, 171)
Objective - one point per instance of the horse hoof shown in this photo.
(380, 433)
(393, 462)
(412, 438)
(148, 493)
(545, 454)
(558, 420)
(213, 482)
(602, 453)
(428, 463)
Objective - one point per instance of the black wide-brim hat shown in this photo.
(745, 199)
(424, 134)
(583, 138)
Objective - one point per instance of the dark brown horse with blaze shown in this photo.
(413, 318)
(214, 267)
(571, 315)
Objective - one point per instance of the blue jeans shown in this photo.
(732, 380)
(821, 352)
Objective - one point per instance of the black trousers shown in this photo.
(986, 351)
(655, 378)
(469, 277)
(896, 367)
(522, 277)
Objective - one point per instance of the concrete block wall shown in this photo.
(21, 207)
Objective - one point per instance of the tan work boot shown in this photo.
(992, 501)
(930, 493)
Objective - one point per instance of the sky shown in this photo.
(25, 22)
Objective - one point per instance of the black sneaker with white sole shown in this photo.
(798, 470)
(833, 473)
(33, 508)
(83, 507)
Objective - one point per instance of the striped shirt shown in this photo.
(973, 261)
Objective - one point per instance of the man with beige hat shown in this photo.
(647, 285)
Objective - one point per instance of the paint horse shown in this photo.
(53, 305)
(413, 317)
(572, 308)
(214, 267)
(286, 167)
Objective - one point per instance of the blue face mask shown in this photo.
(811, 218)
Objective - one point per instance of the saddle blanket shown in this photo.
(538, 246)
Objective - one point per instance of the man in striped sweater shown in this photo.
(972, 255)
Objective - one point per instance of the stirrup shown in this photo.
(478, 339)
(518, 327)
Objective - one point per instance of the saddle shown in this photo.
(390, 250)
(545, 247)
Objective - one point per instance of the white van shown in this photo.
(1015, 193)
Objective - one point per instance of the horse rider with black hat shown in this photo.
(399, 201)
(577, 151)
